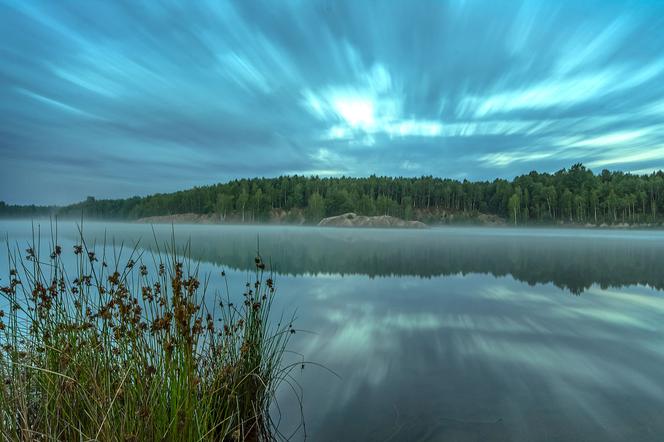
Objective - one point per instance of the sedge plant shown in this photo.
(98, 346)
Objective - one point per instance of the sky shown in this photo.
(119, 98)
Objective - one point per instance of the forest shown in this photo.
(575, 195)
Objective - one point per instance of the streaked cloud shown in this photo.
(134, 98)
(503, 159)
(611, 139)
(630, 156)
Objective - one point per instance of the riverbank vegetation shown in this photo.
(574, 195)
(97, 347)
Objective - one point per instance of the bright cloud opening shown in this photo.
(357, 112)
(373, 106)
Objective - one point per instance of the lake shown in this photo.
(455, 334)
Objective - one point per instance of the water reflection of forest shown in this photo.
(568, 261)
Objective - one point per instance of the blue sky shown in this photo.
(121, 98)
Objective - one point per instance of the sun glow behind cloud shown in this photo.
(358, 112)
(371, 106)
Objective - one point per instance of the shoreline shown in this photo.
(206, 219)
(209, 220)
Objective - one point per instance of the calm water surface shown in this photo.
(454, 334)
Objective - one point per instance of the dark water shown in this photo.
(455, 334)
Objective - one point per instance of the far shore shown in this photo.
(209, 219)
(214, 219)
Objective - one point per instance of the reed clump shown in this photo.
(96, 347)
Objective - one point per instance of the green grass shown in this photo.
(125, 349)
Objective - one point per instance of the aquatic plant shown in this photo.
(97, 346)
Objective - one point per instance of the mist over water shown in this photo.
(449, 334)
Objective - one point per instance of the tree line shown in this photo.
(574, 195)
